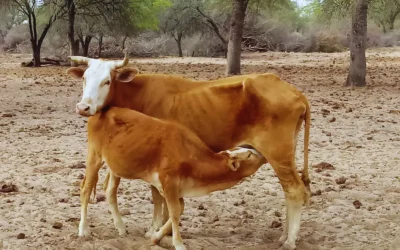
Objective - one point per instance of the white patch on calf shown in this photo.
(155, 181)
(235, 152)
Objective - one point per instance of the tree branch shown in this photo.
(213, 25)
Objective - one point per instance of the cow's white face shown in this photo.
(97, 81)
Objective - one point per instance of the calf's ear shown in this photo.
(76, 72)
(235, 165)
(127, 74)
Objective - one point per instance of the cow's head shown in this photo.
(98, 81)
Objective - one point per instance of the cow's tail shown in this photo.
(307, 122)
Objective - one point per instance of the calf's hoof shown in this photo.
(150, 233)
(155, 238)
(122, 232)
(289, 245)
(282, 239)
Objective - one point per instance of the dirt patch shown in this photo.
(43, 149)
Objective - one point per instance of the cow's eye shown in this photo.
(107, 83)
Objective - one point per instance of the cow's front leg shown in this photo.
(284, 235)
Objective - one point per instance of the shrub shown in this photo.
(16, 35)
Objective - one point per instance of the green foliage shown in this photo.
(144, 13)
(10, 17)
(384, 13)
(181, 18)
(336, 8)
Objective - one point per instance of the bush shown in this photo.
(16, 35)
(206, 45)
(149, 44)
(324, 41)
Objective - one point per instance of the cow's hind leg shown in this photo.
(278, 147)
(295, 193)
(111, 194)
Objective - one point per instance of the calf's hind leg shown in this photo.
(172, 198)
(160, 212)
(167, 227)
(111, 194)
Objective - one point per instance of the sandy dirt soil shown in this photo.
(43, 142)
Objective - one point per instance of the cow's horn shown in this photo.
(123, 63)
(80, 59)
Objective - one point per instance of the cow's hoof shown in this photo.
(289, 245)
(84, 232)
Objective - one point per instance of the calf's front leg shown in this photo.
(88, 183)
(111, 194)
(175, 207)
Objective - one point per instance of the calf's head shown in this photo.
(99, 79)
(245, 158)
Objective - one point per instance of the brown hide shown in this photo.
(223, 113)
(135, 146)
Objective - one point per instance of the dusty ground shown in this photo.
(42, 139)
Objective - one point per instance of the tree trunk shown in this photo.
(100, 44)
(178, 40)
(2, 36)
(235, 37)
(180, 48)
(391, 26)
(73, 44)
(36, 55)
(123, 43)
(88, 39)
(358, 64)
(391, 23)
(85, 42)
(384, 28)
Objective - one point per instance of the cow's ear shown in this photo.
(127, 74)
(76, 72)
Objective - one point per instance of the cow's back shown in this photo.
(221, 112)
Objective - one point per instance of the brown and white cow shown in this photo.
(259, 110)
(165, 154)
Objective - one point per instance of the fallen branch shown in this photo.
(45, 61)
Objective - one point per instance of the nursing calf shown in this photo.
(165, 154)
